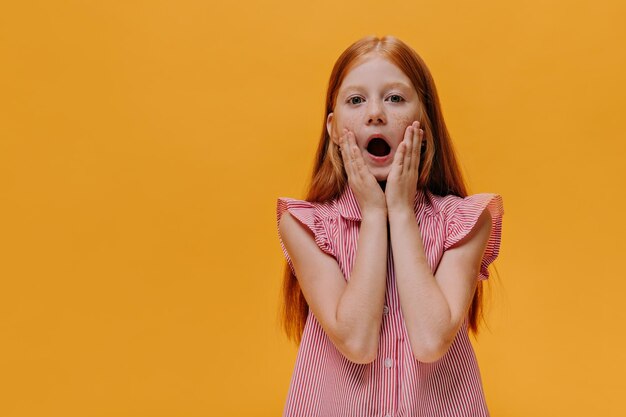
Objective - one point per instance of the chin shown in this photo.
(380, 174)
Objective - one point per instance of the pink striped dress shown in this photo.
(326, 384)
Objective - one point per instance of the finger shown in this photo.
(406, 165)
(352, 155)
(341, 147)
(420, 147)
(415, 148)
(345, 155)
(398, 158)
(355, 154)
(358, 156)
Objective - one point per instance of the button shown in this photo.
(385, 310)
(388, 362)
(387, 415)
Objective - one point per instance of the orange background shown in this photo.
(143, 145)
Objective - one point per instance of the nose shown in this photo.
(375, 113)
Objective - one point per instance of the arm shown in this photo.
(434, 306)
(349, 312)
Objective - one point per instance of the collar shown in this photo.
(348, 205)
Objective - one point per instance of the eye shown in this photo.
(398, 99)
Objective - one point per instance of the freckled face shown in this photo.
(374, 97)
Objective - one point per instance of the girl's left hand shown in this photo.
(401, 185)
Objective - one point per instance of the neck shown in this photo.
(382, 184)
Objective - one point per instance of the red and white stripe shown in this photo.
(326, 384)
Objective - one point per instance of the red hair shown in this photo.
(439, 171)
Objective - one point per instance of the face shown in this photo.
(375, 99)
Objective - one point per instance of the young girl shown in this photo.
(387, 254)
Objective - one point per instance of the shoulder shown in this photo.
(315, 216)
(319, 211)
(482, 212)
(444, 204)
(452, 206)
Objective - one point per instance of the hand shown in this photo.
(366, 189)
(402, 180)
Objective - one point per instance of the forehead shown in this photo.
(377, 72)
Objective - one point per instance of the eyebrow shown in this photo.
(387, 85)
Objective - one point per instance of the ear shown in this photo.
(329, 128)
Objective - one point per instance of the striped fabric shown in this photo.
(326, 384)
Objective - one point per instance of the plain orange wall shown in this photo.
(143, 145)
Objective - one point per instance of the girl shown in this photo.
(387, 254)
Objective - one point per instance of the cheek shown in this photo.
(349, 122)
(402, 121)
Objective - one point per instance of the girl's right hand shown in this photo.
(366, 189)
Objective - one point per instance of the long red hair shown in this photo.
(439, 171)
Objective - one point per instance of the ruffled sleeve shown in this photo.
(308, 214)
(462, 217)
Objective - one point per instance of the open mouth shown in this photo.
(378, 147)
